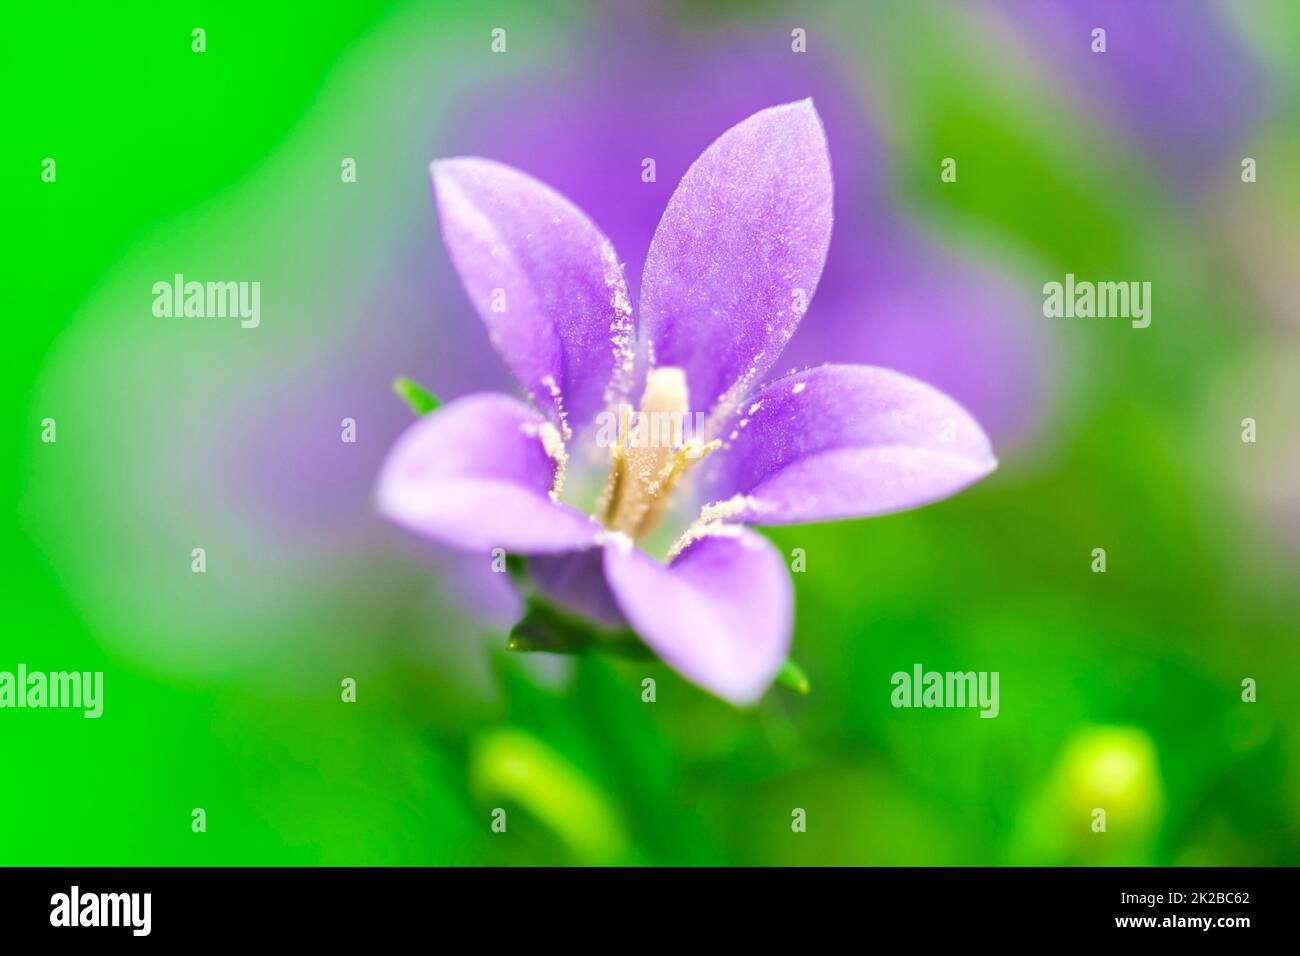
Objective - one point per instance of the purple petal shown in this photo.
(720, 614)
(845, 441)
(890, 297)
(576, 582)
(889, 292)
(545, 281)
(738, 252)
(568, 121)
(478, 474)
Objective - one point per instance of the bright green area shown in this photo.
(1119, 690)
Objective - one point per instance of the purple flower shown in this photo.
(733, 263)
(1175, 75)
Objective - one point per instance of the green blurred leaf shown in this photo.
(421, 400)
(792, 676)
(545, 627)
(512, 764)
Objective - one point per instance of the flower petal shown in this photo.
(720, 614)
(477, 474)
(545, 281)
(738, 252)
(844, 441)
(576, 582)
(890, 293)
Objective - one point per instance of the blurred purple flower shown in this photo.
(1174, 74)
(734, 261)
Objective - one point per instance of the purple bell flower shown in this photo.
(581, 481)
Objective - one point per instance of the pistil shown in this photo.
(649, 460)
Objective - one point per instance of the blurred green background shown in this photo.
(1120, 690)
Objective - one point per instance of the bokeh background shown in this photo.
(1120, 690)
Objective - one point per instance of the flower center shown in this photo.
(651, 453)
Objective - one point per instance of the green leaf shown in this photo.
(513, 764)
(421, 400)
(517, 568)
(792, 676)
(545, 627)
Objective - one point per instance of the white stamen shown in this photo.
(622, 541)
(558, 400)
(733, 507)
(621, 328)
(713, 521)
(645, 468)
(553, 445)
(703, 529)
